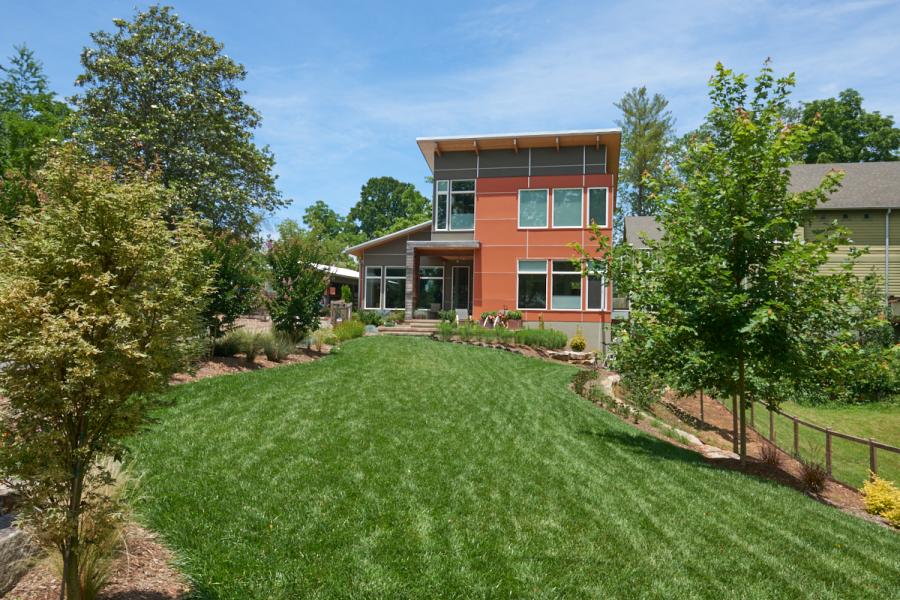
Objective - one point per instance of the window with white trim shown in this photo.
(373, 287)
(567, 207)
(431, 287)
(441, 198)
(596, 292)
(532, 284)
(598, 206)
(462, 205)
(532, 208)
(394, 287)
(565, 284)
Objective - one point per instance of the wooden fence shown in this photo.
(829, 434)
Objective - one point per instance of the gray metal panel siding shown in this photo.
(455, 165)
(503, 163)
(454, 236)
(565, 161)
(595, 160)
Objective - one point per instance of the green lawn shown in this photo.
(408, 468)
(850, 460)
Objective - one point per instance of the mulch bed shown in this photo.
(238, 364)
(144, 571)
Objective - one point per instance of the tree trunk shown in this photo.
(734, 424)
(742, 393)
(71, 582)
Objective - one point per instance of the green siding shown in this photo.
(865, 231)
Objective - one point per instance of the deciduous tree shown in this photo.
(99, 303)
(847, 132)
(386, 203)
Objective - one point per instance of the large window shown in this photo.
(566, 286)
(431, 287)
(440, 204)
(596, 293)
(567, 207)
(373, 287)
(598, 206)
(454, 205)
(395, 287)
(532, 208)
(462, 204)
(532, 284)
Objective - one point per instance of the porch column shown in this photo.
(410, 276)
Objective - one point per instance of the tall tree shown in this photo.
(647, 130)
(730, 300)
(99, 300)
(323, 221)
(30, 118)
(385, 203)
(846, 132)
(159, 92)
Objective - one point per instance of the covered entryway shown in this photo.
(442, 277)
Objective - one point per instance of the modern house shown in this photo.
(505, 210)
(867, 205)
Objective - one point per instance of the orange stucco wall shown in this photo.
(503, 243)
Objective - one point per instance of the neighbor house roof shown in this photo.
(636, 227)
(339, 271)
(865, 185)
(519, 141)
(391, 236)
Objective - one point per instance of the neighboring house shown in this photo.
(867, 205)
(505, 209)
(337, 278)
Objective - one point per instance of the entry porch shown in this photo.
(439, 276)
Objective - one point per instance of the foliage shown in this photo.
(159, 92)
(397, 316)
(882, 497)
(541, 338)
(31, 118)
(578, 343)
(237, 269)
(99, 303)
(227, 345)
(320, 337)
(513, 315)
(813, 475)
(501, 435)
(349, 330)
(386, 205)
(505, 335)
(298, 285)
(446, 330)
(846, 132)
(346, 294)
(730, 300)
(466, 331)
(371, 317)
(647, 131)
(448, 316)
(581, 379)
(769, 454)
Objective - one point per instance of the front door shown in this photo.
(460, 295)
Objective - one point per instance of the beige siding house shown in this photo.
(867, 205)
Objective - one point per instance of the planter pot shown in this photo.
(514, 324)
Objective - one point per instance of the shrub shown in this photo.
(813, 475)
(319, 338)
(769, 454)
(466, 331)
(579, 382)
(504, 335)
(578, 343)
(448, 316)
(484, 334)
(297, 283)
(226, 346)
(397, 316)
(370, 317)
(277, 346)
(541, 338)
(349, 330)
(882, 498)
(346, 294)
(514, 315)
(445, 330)
(250, 344)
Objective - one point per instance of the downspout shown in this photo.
(887, 258)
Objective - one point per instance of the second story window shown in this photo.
(454, 205)
(532, 208)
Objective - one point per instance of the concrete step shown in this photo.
(400, 331)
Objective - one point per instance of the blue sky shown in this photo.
(344, 88)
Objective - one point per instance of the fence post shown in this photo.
(771, 425)
(796, 437)
(828, 449)
(752, 414)
(873, 459)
